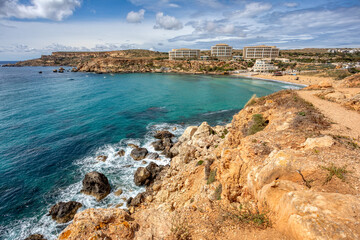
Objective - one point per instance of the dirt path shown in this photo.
(347, 122)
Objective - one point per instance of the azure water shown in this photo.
(53, 125)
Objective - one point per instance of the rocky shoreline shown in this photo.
(274, 172)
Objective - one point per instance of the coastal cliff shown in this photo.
(275, 172)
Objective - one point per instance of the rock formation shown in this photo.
(96, 184)
(35, 237)
(139, 153)
(64, 212)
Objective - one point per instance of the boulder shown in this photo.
(188, 133)
(118, 192)
(96, 184)
(158, 145)
(133, 145)
(121, 153)
(64, 212)
(136, 201)
(101, 158)
(141, 175)
(153, 156)
(203, 131)
(325, 141)
(163, 134)
(35, 237)
(139, 153)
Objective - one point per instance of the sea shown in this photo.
(54, 125)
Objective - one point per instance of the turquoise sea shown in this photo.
(53, 125)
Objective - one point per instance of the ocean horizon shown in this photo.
(54, 125)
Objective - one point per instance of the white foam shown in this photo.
(119, 170)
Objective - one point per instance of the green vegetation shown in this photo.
(347, 141)
(218, 192)
(335, 171)
(257, 218)
(212, 176)
(180, 229)
(302, 114)
(257, 125)
(199, 163)
(225, 132)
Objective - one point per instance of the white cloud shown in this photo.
(48, 9)
(167, 22)
(135, 17)
(291, 4)
(252, 9)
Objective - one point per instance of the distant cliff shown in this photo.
(74, 58)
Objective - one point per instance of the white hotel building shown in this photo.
(260, 52)
(184, 53)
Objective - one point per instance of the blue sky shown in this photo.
(34, 27)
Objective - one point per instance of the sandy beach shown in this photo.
(302, 79)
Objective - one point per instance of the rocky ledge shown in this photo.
(273, 173)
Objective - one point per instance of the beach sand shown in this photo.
(303, 79)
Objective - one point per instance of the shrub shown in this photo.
(335, 171)
(257, 125)
(218, 192)
(212, 176)
(199, 163)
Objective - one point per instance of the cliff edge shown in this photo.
(274, 172)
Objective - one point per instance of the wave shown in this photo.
(119, 170)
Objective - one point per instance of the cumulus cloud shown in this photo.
(135, 17)
(48, 9)
(251, 10)
(291, 4)
(167, 22)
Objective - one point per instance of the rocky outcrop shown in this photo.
(101, 158)
(64, 212)
(163, 134)
(35, 237)
(145, 176)
(92, 223)
(96, 184)
(139, 153)
(291, 173)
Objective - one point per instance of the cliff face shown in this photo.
(270, 174)
(116, 65)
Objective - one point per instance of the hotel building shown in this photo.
(222, 50)
(263, 66)
(260, 52)
(184, 53)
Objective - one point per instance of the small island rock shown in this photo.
(96, 184)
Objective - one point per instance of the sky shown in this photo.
(30, 28)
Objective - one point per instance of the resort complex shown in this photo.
(260, 52)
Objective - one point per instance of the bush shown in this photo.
(335, 171)
(258, 124)
(212, 176)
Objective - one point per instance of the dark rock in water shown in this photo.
(133, 145)
(64, 212)
(136, 201)
(139, 153)
(101, 158)
(73, 69)
(158, 145)
(153, 156)
(121, 153)
(141, 175)
(96, 184)
(163, 134)
(167, 152)
(128, 202)
(35, 237)
(40, 72)
(55, 70)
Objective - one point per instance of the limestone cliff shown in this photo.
(271, 173)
